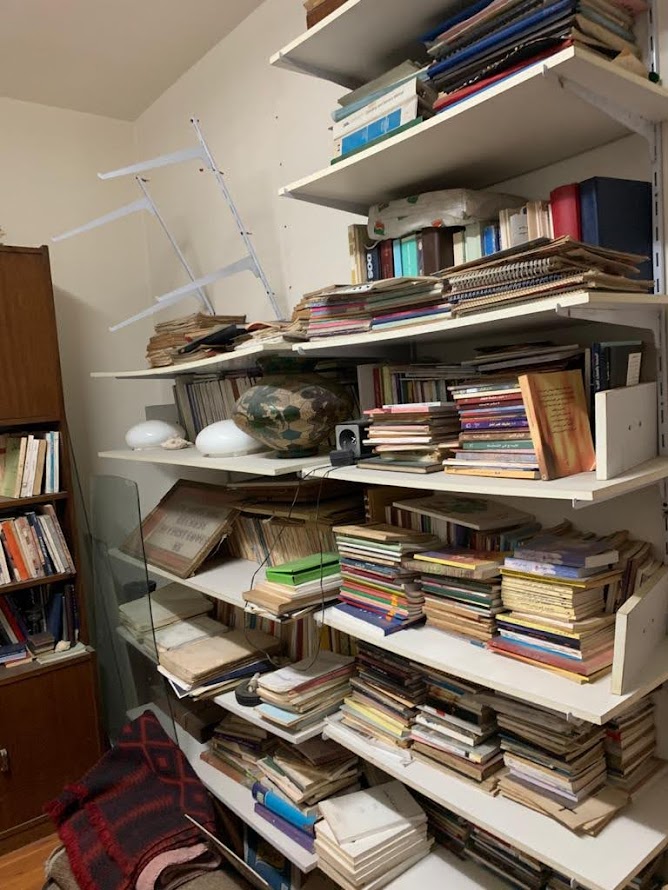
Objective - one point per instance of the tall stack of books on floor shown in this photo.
(300, 695)
(560, 590)
(369, 838)
(375, 585)
(556, 765)
(385, 697)
(413, 438)
(455, 728)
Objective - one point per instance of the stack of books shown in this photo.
(163, 347)
(398, 99)
(295, 587)
(367, 839)
(217, 663)
(555, 764)
(488, 42)
(560, 590)
(236, 747)
(411, 438)
(206, 399)
(386, 694)
(292, 771)
(377, 305)
(385, 384)
(650, 878)
(300, 695)
(503, 859)
(376, 587)
(449, 830)
(33, 546)
(630, 747)
(455, 728)
(172, 615)
(29, 464)
(475, 523)
(461, 589)
(541, 268)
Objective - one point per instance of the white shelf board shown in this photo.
(435, 648)
(606, 862)
(225, 581)
(127, 637)
(227, 361)
(523, 123)
(442, 869)
(362, 39)
(563, 309)
(263, 464)
(229, 702)
(235, 796)
(581, 490)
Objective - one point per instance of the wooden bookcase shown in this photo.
(49, 729)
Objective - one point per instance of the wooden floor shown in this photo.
(24, 869)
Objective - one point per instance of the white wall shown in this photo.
(49, 159)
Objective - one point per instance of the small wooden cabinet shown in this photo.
(49, 727)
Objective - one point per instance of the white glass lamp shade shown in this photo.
(151, 434)
(225, 439)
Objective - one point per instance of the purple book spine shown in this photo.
(299, 837)
(519, 423)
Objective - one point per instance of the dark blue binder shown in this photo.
(455, 20)
(617, 213)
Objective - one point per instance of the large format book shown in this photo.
(475, 513)
(360, 815)
(617, 214)
(556, 408)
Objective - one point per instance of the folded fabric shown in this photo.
(129, 808)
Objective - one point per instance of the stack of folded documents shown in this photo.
(163, 607)
(556, 765)
(304, 782)
(456, 728)
(368, 838)
(297, 585)
(376, 587)
(301, 695)
(461, 589)
(215, 664)
(386, 693)
(236, 747)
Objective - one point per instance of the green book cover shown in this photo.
(309, 568)
(11, 468)
(502, 445)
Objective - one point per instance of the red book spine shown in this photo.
(565, 204)
(386, 260)
(13, 623)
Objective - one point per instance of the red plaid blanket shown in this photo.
(129, 808)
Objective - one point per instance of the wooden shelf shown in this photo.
(34, 500)
(565, 309)
(30, 669)
(606, 862)
(235, 796)
(263, 464)
(229, 702)
(35, 582)
(227, 361)
(435, 648)
(362, 39)
(535, 119)
(582, 490)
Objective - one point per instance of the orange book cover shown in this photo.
(14, 550)
(556, 409)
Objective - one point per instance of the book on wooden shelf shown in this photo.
(36, 622)
(29, 464)
(33, 546)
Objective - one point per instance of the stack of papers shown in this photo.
(303, 782)
(302, 694)
(297, 585)
(214, 664)
(630, 747)
(236, 747)
(368, 838)
(163, 607)
(455, 728)
(556, 765)
(386, 693)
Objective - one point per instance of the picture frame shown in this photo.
(188, 523)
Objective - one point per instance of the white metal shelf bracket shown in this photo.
(646, 319)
